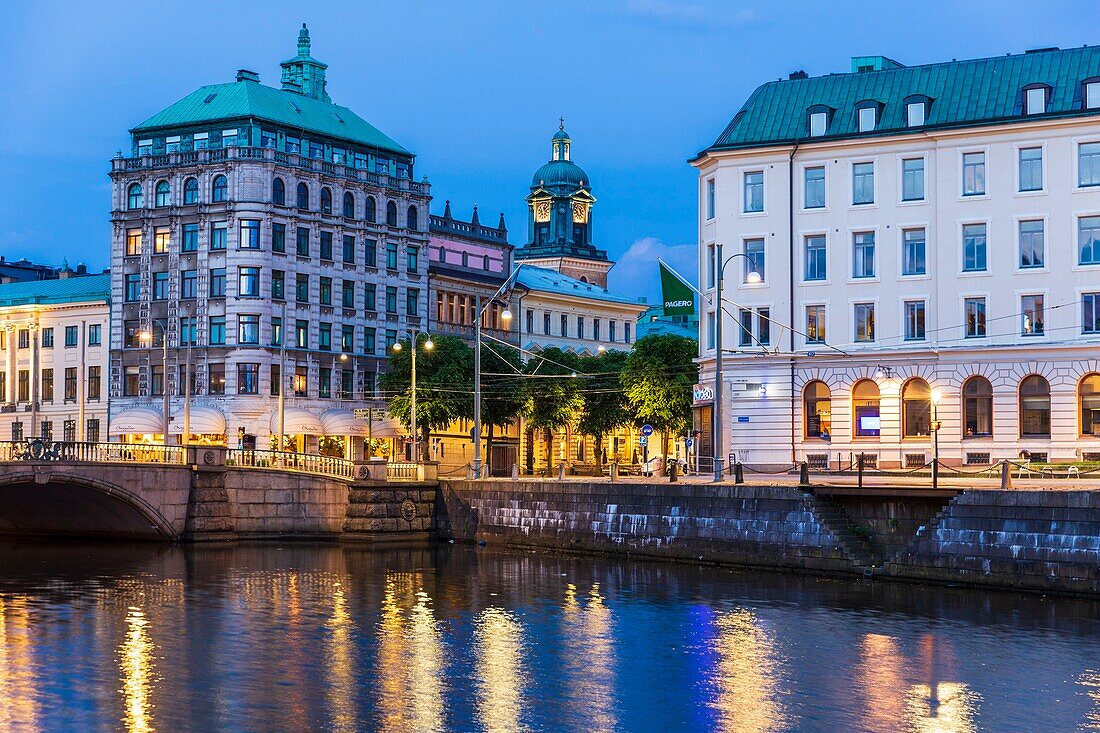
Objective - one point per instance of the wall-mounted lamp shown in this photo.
(883, 372)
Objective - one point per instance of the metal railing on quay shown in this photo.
(288, 461)
(43, 449)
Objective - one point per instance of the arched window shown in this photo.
(865, 413)
(349, 205)
(1035, 407)
(410, 218)
(191, 191)
(819, 410)
(370, 213)
(977, 407)
(164, 193)
(326, 201)
(1090, 405)
(278, 192)
(916, 407)
(221, 189)
(442, 254)
(303, 196)
(391, 214)
(134, 199)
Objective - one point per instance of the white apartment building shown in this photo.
(927, 244)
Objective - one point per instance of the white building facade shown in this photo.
(927, 241)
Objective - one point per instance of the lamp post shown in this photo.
(506, 316)
(752, 277)
(147, 336)
(936, 397)
(428, 346)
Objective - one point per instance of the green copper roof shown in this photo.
(247, 99)
(541, 279)
(68, 290)
(963, 93)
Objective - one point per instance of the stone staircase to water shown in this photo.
(856, 546)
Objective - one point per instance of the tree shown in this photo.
(502, 397)
(657, 379)
(552, 398)
(443, 376)
(604, 405)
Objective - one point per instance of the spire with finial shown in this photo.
(303, 42)
(447, 210)
(304, 74)
(500, 224)
(561, 120)
(475, 220)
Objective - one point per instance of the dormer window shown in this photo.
(868, 113)
(819, 120)
(1035, 99)
(1091, 96)
(916, 110)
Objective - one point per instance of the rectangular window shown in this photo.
(278, 237)
(47, 338)
(863, 183)
(215, 379)
(914, 114)
(815, 257)
(815, 324)
(912, 179)
(72, 336)
(754, 191)
(301, 381)
(219, 235)
(565, 326)
(626, 332)
(190, 241)
(391, 255)
(276, 331)
(744, 331)
(302, 242)
(712, 267)
(611, 331)
(248, 282)
(1031, 169)
(249, 328)
(131, 381)
(161, 240)
(133, 242)
(710, 330)
(1036, 101)
(974, 248)
(47, 385)
(1032, 244)
(24, 338)
(754, 252)
(326, 245)
(348, 249)
(217, 330)
(867, 119)
(70, 384)
(292, 144)
(818, 123)
(1092, 95)
(914, 320)
(369, 336)
(764, 326)
(865, 322)
(324, 382)
(301, 334)
(913, 248)
(370, 292)
(580, 327)
(391, 299)
(546, 325)
(710, 198)
(347, 293)
(248, 379)
(23, 386)
(347, 339)
(189, 284)
(1090, 316)
(814, 187)
(530, 322)
(301, 288)
(94, 383)
(975, 317)
(1088, 240)
(1031, 310)
(1088, 164)
(370, 253)
(412, 301)
(325, 291)
(391, 338)
(95, 337)
(324, 337)
(250, 234)
(863, 254)
(133, 287)
(217, 282)
(188, 330)
(160, 285)
(412, 258)
(278, 285)
(973, 174)
(596, 329)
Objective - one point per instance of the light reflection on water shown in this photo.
(323, 638)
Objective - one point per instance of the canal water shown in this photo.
(297, 637)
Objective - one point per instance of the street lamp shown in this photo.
(146, 336)
(752, 277)
(428, 346)
(506, 316)
(937, 395)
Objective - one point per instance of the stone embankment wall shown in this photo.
(1028, 539)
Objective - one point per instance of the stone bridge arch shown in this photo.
(89, 501)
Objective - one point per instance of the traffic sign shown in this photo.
(369, 413)
(643, 441)
(647, 430)
(689, 442)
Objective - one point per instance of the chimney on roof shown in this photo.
(800, 74)
(246, 75)
(81, 269)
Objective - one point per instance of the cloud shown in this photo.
(636, 274)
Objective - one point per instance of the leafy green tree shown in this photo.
(604, 407)
(444, 374)
(502, 397)
(657, 379)
(553, 397)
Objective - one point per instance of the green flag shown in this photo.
(678, 296)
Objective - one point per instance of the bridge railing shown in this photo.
(402, 471)
(286, 461)
(42, 449)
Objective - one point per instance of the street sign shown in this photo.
(742, 418)
(369, 413)
(647, 430)
(689, 442)
(643, 441)
(361, 413)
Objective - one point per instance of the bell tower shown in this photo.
(303, 73)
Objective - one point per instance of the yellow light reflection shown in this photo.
(136, 665)
(499, 639)
(879, 676)
(410, 655)
(589, 658)
(747, 676)
(1091, 680)
(18, 709)
(342, 691)
(945, 707)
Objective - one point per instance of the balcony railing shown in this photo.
(284, 461)
(43, 449)
(293, 160)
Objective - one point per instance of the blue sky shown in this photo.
(475, 90)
